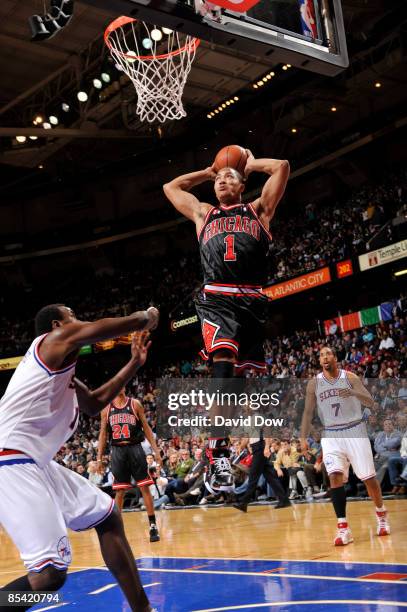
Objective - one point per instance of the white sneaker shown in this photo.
(308, 494)
(343, 535)
(383, 527)
(293, 494)
(203, 501)
(195, 491)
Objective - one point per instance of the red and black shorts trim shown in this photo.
(129, 462)
(234, 322)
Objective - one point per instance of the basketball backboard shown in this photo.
(308, 34)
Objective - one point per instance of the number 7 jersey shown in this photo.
(336, 413)
(233, 246)
(39, 410)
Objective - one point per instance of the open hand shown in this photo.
(140, 344)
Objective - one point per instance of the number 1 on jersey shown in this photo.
(230, 254)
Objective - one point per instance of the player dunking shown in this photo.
(339, 396)
(234, 242)
(124, 420)
(39, 411)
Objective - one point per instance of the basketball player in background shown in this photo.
(126, 424)
(39, 411)
(234, 242)
(339, 396)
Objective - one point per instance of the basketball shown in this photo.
(232, 156)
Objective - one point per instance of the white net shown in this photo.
(157, 61)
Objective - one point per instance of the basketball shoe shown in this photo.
(383, 527)
(154, 535)
(219, 475)
(343, 535)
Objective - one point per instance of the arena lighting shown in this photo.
(147, 43)
(65, 107)
(38, 119)
(82, 96)
(294, 130)
(47, 25)
(255, 86)
(46, 125)
(333, 109)
(167, 31)
(377, 84)
(285, 67)
(97, 83)
(53, 119)
(400, 272)
(21, 138)
(105, 76)
(33, 137)
(156, 34)
(209, 115)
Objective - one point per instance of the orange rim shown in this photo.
(122, 21)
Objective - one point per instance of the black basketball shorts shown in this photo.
(234, 322)
(129, 461)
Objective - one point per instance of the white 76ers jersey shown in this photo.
(39, 410)
(336, 412)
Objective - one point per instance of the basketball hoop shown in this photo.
(160, 77)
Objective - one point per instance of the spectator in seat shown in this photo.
(397, 465)
(178, 484)
(286, 463)
(93, 475)
(387, 342)
(386, 445)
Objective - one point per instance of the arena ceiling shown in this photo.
(38, 76)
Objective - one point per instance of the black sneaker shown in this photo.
(241, 507)
(154, 535)
(221, 477)
(282, 503)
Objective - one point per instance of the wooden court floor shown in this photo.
(302, 532)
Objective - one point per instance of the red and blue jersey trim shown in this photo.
(13, 457)
(43, 564)
(44, 366)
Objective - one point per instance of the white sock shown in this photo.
(382, 509)
(342, 520)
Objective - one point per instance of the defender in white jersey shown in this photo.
(339, 396)
(39, 411)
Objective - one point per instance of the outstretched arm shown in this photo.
(67, 339)
(310, 403)
(92, 402)
(177, 191)
(273, 190)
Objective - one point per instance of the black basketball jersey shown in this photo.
(234, 245)
(124, 425)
